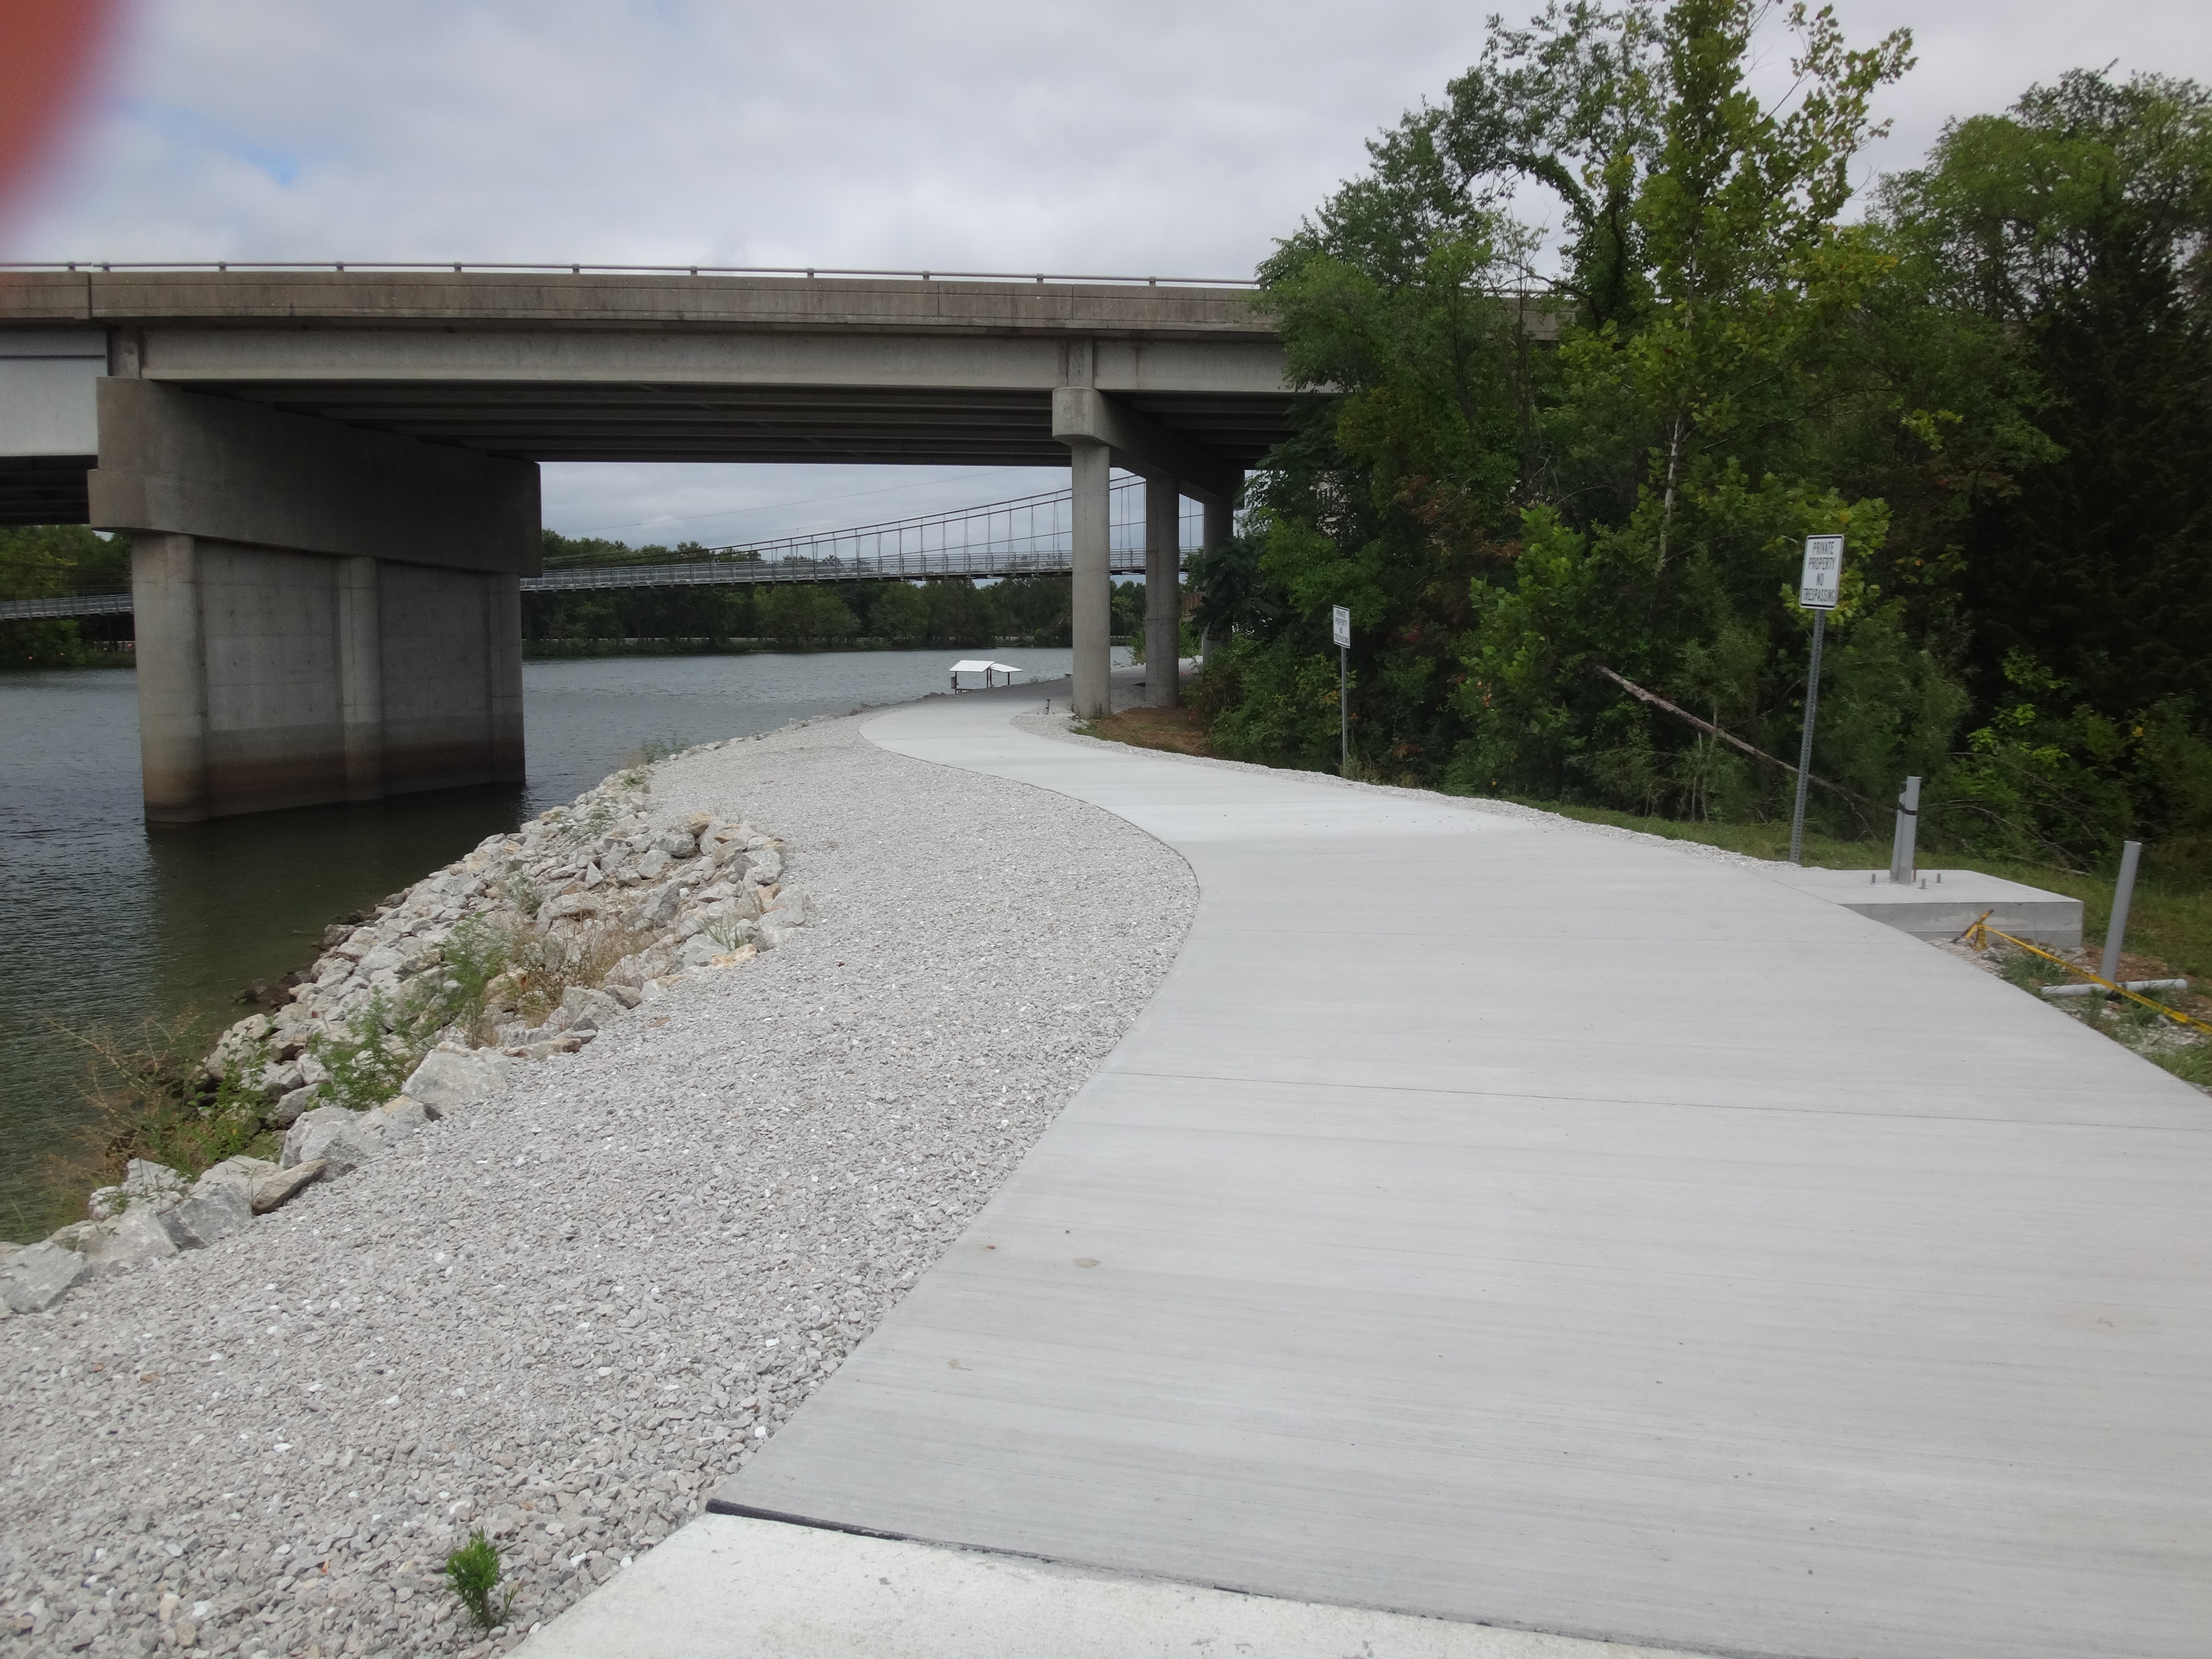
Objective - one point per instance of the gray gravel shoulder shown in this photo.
(567, 1314)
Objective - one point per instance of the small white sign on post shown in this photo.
(1821, 586)
(1340, 620)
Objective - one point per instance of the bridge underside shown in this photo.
(45, 489)
(584, 421)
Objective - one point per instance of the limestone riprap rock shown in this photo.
(139, 1236)
(241, 1169)
(145, 1182)
(448, 1079)
(343, 1141)
(37, 1275)
(216, 1210)
(288, 1108)
(585, 1010)
(401, 1116)
(275, 1190)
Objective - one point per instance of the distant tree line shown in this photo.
(53, 560)
(952, 613)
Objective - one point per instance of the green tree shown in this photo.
(1034, 609)
(802, 613)
(54, 560)
(900, 613)
(959, 615)
(1507, 489)
(2077, 229)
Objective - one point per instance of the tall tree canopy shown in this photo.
(1523, 459)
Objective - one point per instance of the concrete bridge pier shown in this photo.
(1163, 593)
(1090, 471)
(1101, 434)
(324, 613)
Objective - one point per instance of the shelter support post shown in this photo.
(1091, 467)
(1163, 593)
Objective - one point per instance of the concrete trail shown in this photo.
(1503, 1223)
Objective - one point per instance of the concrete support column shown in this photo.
(1220, 525)
(361, 676)
(324, 613)
(172, 693)
(503, 676)
(1162, 592)
(1090, 468)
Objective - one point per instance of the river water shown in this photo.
(103, 923)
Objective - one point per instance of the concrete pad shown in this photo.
(736, 1589)
(1494, 1220)
(1943, 903)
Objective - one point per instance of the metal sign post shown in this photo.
(1340, 620)
(1820, 584)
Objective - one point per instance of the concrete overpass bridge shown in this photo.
(330, 475)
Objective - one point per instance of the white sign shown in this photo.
(1340, 625)
(1821, 584)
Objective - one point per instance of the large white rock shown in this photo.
(401, 1116)
(140, 1236)
(216, 1210)
(239, 1171)
(659, 908)
(344, 1141)
(285, 1112)
(143, 1178)
(37, 1275)
(446, 1080)
(280, 1186)
(586, 1010)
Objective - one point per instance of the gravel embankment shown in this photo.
(567, 1314)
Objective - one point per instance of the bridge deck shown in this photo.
(596, 365)
(1509, 1223)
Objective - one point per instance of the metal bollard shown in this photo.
(1901, 840)
(2131, 854)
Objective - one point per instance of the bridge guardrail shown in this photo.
(66, 604)
(498, 267)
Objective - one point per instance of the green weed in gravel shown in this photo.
(473, 1570)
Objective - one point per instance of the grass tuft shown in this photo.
(150, 1097)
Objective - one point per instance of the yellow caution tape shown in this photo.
(1980, 932)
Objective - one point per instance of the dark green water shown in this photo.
(105, 923)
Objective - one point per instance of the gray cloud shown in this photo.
(1142, 138)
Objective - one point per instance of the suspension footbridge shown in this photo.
(1028, 536)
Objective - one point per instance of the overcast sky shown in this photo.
(1135, 137)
